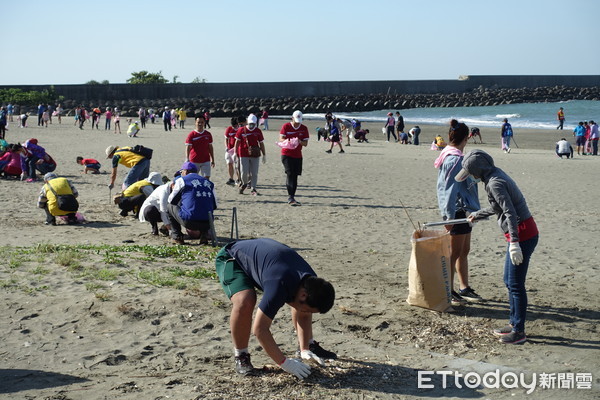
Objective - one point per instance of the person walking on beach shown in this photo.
(166, 117)
(108, 117)
(284, 277)
(59, 111)
(507, 134)
(334, 129)
(3, 122)
(249, 145)
(594, 135)
(265, 119)
(199, 148)
(579, 133)
(390, 125)
(233, 167)
(455, 200)
(117, 120)
(514, 218)
(560, 115)
(140, 165)
(296, 134)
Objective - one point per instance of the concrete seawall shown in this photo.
(122, 91)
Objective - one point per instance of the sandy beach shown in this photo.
(89, 312)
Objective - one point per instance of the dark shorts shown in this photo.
(580, 140)
(292, 166)
(335, 138)
(93, 166)
(460, 229)
(232, 277)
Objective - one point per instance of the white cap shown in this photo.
(297, 116)
(462, 175)
(252, 119)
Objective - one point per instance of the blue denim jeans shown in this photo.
(514, 279)
(138, 172)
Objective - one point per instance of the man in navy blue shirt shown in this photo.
(284, 277)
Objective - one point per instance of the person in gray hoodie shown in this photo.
(520, 230)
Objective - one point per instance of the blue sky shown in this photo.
(72, 42)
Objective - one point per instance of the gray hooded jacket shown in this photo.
(506, 200)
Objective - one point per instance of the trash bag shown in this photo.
(429, 270)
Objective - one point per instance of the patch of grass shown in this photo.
(106, 274)
(40, 270)
(68, 258)
(15, 262)
(9, 283)
(93, 286)
(157, 278)
(113, 258)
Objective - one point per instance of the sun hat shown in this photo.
(189, 166)
(110, 149)
(297, 116)
(154, 178)
(390, 113)
(251, 119)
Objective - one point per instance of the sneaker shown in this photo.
(30, 180)
(178, 240)
(469, 294)
(457, 300)
(508, 150)
(230, 182)
(123, 213)
(243, 365)
(254, 193)
(292, 202)
(53, 223)
(327, 151)
(163, 229)
(155, 229)
(505, 330)
(321, 352)
(242, 188)
(513, 338)
(341, 151)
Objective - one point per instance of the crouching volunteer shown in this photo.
(192, 198)
(284, 277)
(58, 197)
(155, 209)
(140, 165)
(134, 196)
(520, 230)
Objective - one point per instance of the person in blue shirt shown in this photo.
(507, 134)
(579, 133)
(192, 198)
(284, 277)
(455, 200)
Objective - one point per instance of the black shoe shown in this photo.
(53, 223)
(457, 299)
(178, 240)
(469, 294)
(341, 151)
(321, 352)
(230, 182)
(513, 338)
(155, 229)
(243, 365)
(327, 151)
(242, 188)
(124, 213)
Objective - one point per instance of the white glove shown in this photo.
(516, 255)
(309, 355)
(264, 159)
(296, 367)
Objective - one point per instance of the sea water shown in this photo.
(526, 115)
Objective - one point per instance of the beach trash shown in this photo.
(429, 270)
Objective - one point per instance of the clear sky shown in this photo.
(72, 42)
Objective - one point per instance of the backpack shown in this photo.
(142, 151)
(508, 131)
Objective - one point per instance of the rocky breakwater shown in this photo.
(219, 107)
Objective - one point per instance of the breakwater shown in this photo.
(228, 99)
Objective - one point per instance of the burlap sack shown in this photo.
(429, 270)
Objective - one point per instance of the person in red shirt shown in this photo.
(199, 148)
(292, 134)
(230, 158)
(89, 164)
(246, 138)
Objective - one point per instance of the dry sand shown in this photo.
(68, 333)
